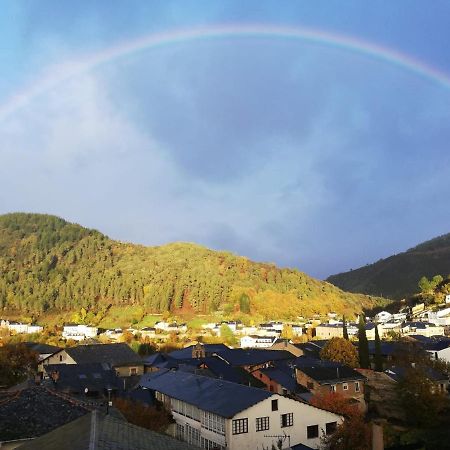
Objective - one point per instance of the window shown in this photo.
(240, 426)
(330, 428)
(262, 423)
(345, 386)
(287, 420)
(312, 431)
(133, 370)
(274, 405)
(333, 388)
(310, 385)
(60, 357)
(357, 388)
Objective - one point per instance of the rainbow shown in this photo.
(56, 75)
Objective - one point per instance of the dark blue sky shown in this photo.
(281, 150)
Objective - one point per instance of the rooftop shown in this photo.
(220, 397)
(34, 411)
(97, 431)
(112, 354)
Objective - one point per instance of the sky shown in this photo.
(304, 153)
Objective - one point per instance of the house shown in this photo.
(98, 431)
(439, 349)
(211, 413)
(42, 350)
(422, 328)
(312, 348)
(440, 380)
(286, 344)
(31, 412)
(252, 359)
(148, 332)
(321, 377)
(383, 316)
(90, 379)
(120, 357)
(198, 350)
(23, 328)
(255, 341)
(78, 332)
(281, 379)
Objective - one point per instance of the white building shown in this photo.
(254, 341)
(383, 316)
(423, 329)
(212, 413)
(23, 328)
(79, 332)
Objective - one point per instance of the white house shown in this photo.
(79, 332)
(213, 413)
(383, 316)
(423, 329)
(255, 341)
(23, 328)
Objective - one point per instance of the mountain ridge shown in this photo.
(397, 276)
(47, 263)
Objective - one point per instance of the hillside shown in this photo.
(48, 264)
(397, 277)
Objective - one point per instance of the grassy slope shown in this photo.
(397, 276)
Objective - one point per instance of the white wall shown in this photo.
(304, 415)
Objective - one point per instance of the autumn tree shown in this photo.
(287, 332)
(16, 363)
(150, 417)
(227, 334)
(340, 350)
(353, 433)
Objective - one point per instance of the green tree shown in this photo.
(227, 335)
(363, 344)
(378, 357)
(344, 328)
(244, 304)
(420, 399)
(340, 350)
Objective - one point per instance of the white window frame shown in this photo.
(345, 386)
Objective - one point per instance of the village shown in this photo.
(276, 384)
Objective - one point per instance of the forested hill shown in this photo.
(397, 277)
(48, 264)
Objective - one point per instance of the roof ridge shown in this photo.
(93, 431)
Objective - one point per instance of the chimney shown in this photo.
(377, 436)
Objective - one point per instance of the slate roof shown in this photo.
(112, 354)
(301, 447)
(387, 348)
(282, 378)
(34, 411)
(328, 372)
(42, 349)
(76, 378)
(252, 357)
(186, 353)
(220, 397)
(397, 373)
(97, 431)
